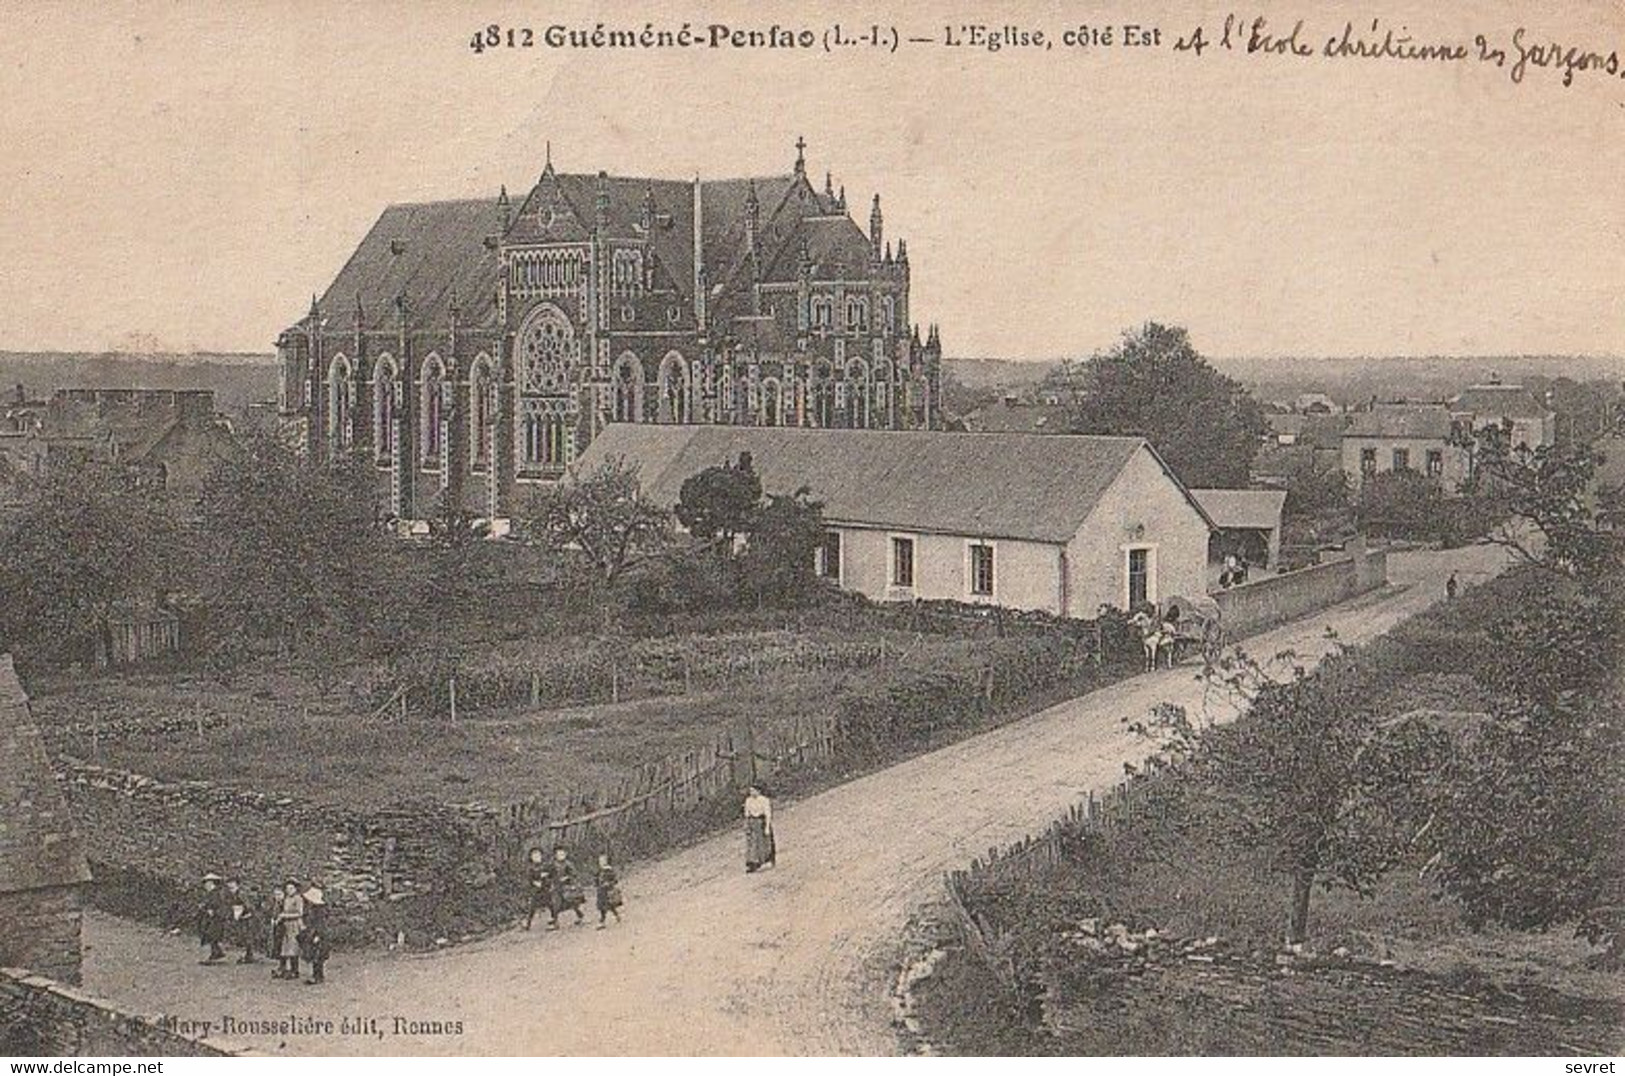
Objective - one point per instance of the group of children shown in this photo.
(553, 887)
(292, 926)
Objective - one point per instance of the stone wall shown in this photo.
(150, 842)
(39, 929)
(1253, 607)
(40, 1017)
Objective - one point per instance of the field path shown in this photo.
(795, 960)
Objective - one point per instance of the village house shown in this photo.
(1405, 437)
(1055, 522)
(42, 861)
(1532, 423)
(171, 438)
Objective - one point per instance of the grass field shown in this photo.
(275, 732)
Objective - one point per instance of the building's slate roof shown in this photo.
(1242, 509)
(441, 254)
(1423, 421)
(1004, 417)
(430, 252)
(39, 846)
(1501, 401)
(1026, 486)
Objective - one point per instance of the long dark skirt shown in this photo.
(758, 842)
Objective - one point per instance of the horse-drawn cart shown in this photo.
(1181, 625)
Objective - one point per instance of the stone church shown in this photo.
(469, 348)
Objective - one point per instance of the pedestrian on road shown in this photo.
(313, 939)
(242, 921)
(608, 886)
(211, 918)
(540, 885)
(759, 844)
(567, 894)
(290, 923)
(1451, 587)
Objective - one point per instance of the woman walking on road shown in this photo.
(759, 844)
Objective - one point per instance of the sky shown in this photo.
(187, 175)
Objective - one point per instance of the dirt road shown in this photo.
(795, 960)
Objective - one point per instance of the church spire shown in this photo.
(829, 186)
(875, 230)
(315, 314)
(603, 199)
(801, 156)
(505, 207)
(753, 217)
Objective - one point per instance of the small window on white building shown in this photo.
(981, 570)
(902, 562)
(827, 559)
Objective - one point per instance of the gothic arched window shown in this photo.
(628, 388)
(857, 396)
(821, 310)
(772, 403)
(674, 389)
(547, 353)
(432, 411)
(822, 391)
(385, 409)
(482, 403)
(857, 313)
(340, 404)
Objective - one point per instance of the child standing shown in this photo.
(608, 884)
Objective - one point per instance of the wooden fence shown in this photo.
(668, 787)
(1030, 859)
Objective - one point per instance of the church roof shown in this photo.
(39, 846)
(429, 252)
(426, 252)
(836, 246)
(1037, 487)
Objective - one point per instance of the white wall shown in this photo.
(1026, 575)
(1142, 508)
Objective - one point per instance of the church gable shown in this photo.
(550, 215)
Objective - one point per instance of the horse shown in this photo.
(1154, 636)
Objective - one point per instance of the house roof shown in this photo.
(1002, 416)
(39, 846)
(1242, 509)
(1503, 401)
(1025, 486)
(1423, 421)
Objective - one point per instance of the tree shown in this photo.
(1314, 490)
(719, 502)
(1525, 814)
(1401, 504)
(295, 554)
(1309, 775)
(86, 538)
(785, 532)
(1553, 491)
(1153, 384)
(603, 516)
